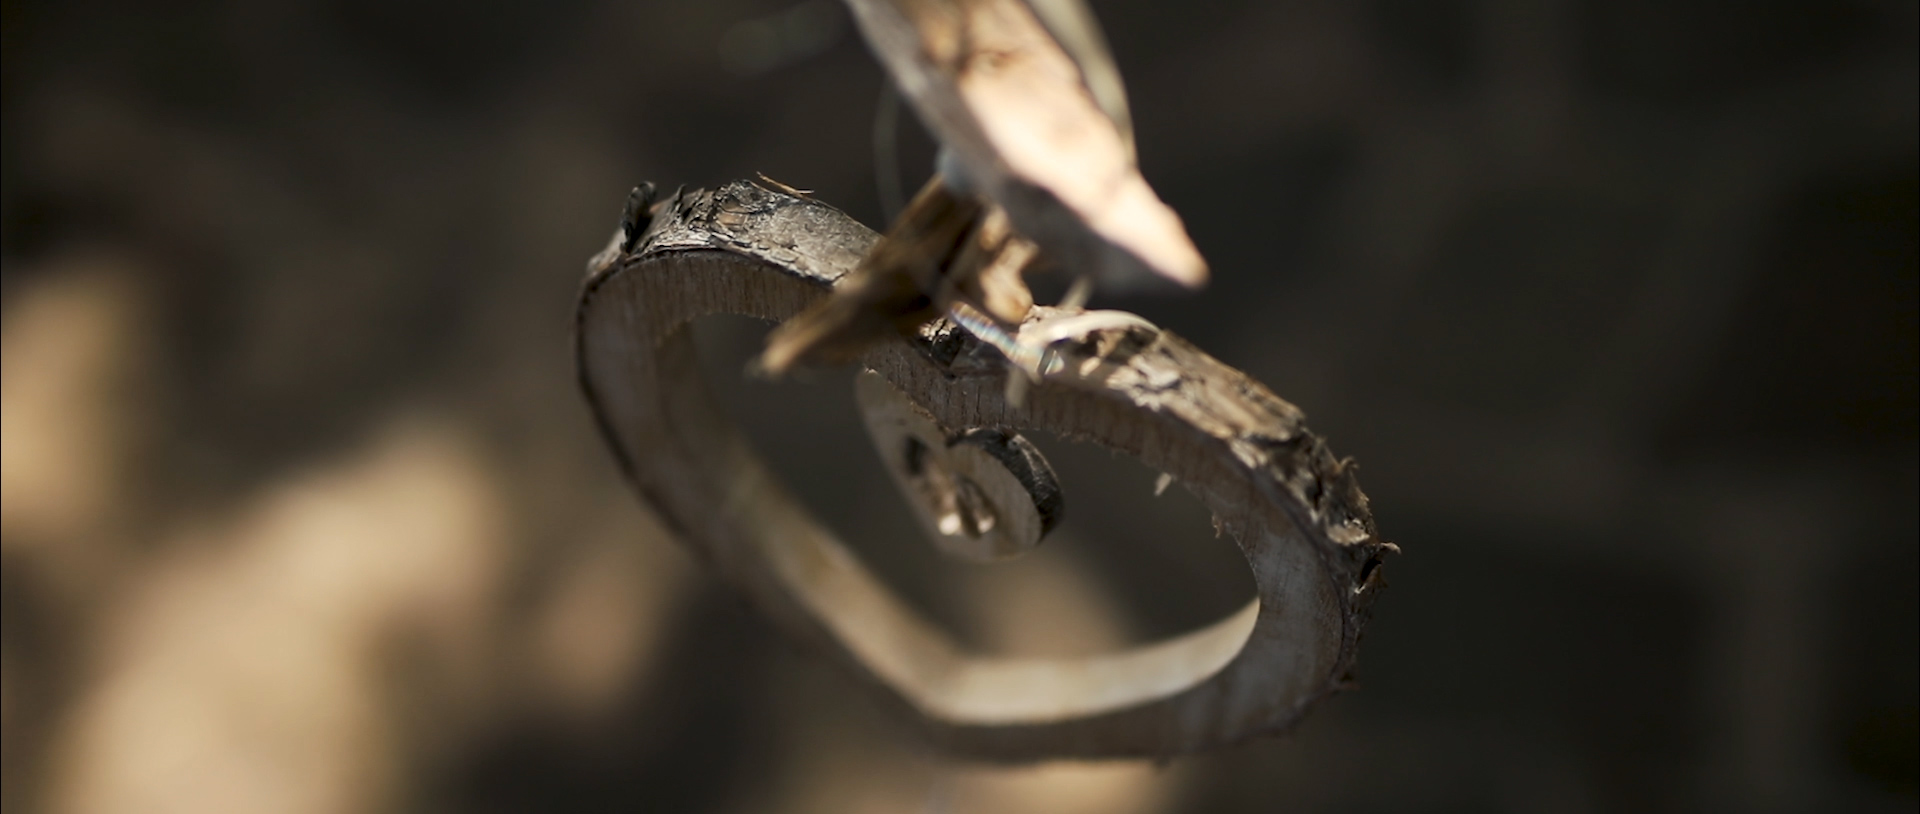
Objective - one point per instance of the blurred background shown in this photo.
(1613, 300)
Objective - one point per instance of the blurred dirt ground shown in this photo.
(1614, 301)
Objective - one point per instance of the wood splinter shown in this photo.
(1036, 156)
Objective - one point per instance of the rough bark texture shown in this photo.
(1295, 510)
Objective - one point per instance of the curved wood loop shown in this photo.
(1296, 512)
(981, 494)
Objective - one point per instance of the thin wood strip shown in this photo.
(1296, 512)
